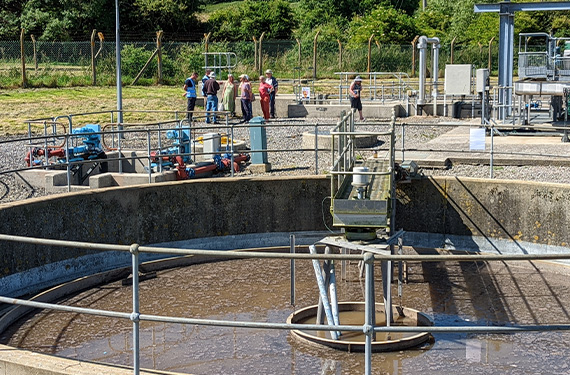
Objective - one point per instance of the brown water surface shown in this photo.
(477, 293)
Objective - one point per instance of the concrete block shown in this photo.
(101, 181)
(256, 168)
(56, 179)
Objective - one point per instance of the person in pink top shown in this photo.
(265, 90)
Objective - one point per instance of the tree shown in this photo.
(386, 23)
(274, 17)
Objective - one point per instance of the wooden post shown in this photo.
(159, 59)
(254, 54)
(261, 54)
(299, 48)
(35, 52)
(339, 55)
(206, 47)
(369, 53)
(315, 56)
(414, 55)
(489, 64)
(23, 59)
(452, 47)
(93, 69)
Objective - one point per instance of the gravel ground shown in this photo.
(421, 133)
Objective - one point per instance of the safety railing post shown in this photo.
(370, 311)
(292, 250)
(149, 157)
(316, 148)
(135, 316)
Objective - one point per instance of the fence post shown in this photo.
(254, 54)
(206, 46)
(452, 47)
(299, 47)
(489, 64)
(414, 55)
(35, 52)
(339, 54)
(315, 55)
(159, 49)
(93, 69)
(260, 54)
(23, 58)
(369, 52)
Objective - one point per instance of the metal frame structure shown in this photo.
(506, 11)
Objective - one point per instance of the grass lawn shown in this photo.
(25, 104)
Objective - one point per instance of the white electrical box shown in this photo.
(482, 81)
(458, 79)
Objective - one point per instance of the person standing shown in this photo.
(245, 96)
(265, 90)
(355, 90)
(273, 82)
(204, 79)
(211, 87)
(190, 93)
(229, 95)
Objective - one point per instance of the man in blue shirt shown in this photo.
(190, 93)
(204, 79)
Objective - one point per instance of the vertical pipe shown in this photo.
(491, 158)
(435, 75)
(333, 294)
(136, 307)
(422, 46)
(292, 251)
(489, 61)
(323, 292)
(386, 288)
(400, 269)
(343, 264)
(370, 311)
(254, 54)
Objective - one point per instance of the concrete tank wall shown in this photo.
(437, 212)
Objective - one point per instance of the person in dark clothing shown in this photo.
(211, 87)
(190, 93)
(355, 91)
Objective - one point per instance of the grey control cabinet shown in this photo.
(258, 140)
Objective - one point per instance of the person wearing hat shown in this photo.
(211, 87)
(246, 95)
(273, 82)
(355, 90)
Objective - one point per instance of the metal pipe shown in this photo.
(323, 292)
(370, 312)
(305, 327)
(135, 316)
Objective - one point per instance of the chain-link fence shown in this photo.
(54, 64)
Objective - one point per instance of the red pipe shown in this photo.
(58, 152)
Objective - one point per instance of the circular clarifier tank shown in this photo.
(451, 293)
(352, 313)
